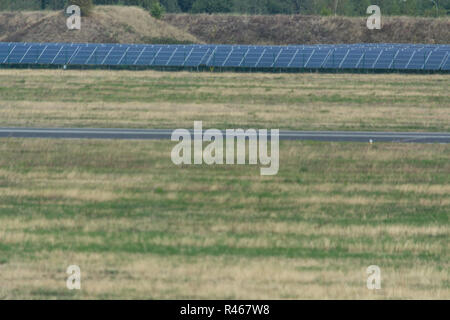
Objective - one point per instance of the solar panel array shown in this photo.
(345, 57)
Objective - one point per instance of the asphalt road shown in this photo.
(165, 134)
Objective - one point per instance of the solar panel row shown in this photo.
(355, 56)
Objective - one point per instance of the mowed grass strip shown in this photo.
(141, 227)
(149, 99)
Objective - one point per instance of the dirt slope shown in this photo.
(108, 24)
(297, 29)
(121, 24)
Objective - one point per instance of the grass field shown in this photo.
(140, 227)
(148, 99)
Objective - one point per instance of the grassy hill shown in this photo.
(122, 24)
(298, 29)
(108, 24)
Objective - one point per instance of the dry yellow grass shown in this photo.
(140, 227)
(155, 277)
(172, 100)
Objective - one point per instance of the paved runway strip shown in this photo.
(164, 134)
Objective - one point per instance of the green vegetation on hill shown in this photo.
(318, 7)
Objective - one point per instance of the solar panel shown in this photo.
(301, 57)
(342, 56)
(236, 57)
(317, 59)
(353, 59)
(4, 52)
(64, 55)
(162, 57)
(81, 57)
(196, 56)
(219, 56)
(446, 64)
(132, 56)
(369, 58)
(418, 60)
(336, 58)
(276, 57)
(141, 56)
(386, 59)
(403, 58)
(179, 56)
(16, 54)
(435, 60)
(252, 57)
(115, 56)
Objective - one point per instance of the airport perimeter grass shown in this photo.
(140, 227)
(149, 99)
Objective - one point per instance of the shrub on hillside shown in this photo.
(157, 10)
(325, 11)
(86, 6)
(212, 6)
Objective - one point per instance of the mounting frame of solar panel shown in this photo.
(376, 57)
